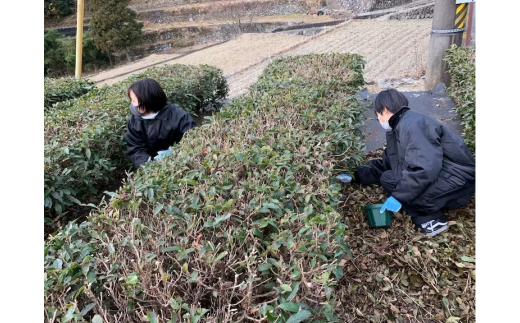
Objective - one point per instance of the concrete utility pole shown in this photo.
(79, 38)
(443, 34)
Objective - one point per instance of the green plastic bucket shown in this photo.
(377, 219)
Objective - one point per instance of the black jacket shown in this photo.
(145, 137)
(426, 158)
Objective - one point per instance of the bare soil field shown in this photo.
(241, 52)
(396, 48)
(392, 49)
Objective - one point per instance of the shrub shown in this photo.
(241, 221)
(60, 54)
(114, 26)
(62, 89)
(57, 8)
(85, 144)
(53, 62)
(461, 63)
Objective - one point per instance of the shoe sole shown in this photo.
(436, 232)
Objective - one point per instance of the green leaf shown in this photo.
(149, 257)
(264, 267)
(295, 288)
(87, 152)
(58, 263)
(286, 288)
(173, 303)
(467, 259)
(446, 303)
(150, 194)
(87, 308)
(132, 279)
(300, 316)
(291, 307)
(69, 315)
(222, 218)
(404, 282)
(111, 249)
(158, 209)
(152, 317)
(184, 254)
(229, 203)
(222, 255)
(97, 319)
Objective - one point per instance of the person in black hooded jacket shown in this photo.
(155, 124)
(425, 167)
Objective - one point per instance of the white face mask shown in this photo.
(385, 125)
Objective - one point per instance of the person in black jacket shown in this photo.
(155, 124)
(425, 167)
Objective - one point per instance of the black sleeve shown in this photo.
(372, 171)
(424, 158)
(135, 146)
(185, 122)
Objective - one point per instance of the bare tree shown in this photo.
(238, 14)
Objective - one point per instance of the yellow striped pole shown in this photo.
(460, 15)
(79, 38)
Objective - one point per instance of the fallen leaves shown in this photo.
(395, 272)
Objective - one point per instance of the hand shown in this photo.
(163, 153)
(344, 178)
(391, 204)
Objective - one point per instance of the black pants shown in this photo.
(379, 171)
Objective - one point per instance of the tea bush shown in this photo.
(85, 139)
(461, 63)
(240, 223)
(62, 89)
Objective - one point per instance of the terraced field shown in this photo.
(231, 56)
(395, 48)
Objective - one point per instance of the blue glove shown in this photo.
(391, 204)
(163, 153)
(344, 178)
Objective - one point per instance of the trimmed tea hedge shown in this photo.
(240, 222)
(85, 143)
(461, 63)
(63, 89)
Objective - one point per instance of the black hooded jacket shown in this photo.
(145, 137)
(426, 159)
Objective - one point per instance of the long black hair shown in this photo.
(150, 95)
(392, 99)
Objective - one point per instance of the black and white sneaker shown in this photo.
(433, 227)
